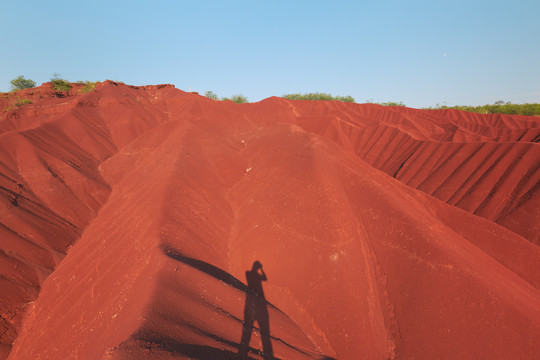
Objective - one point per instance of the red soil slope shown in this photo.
(383, 232)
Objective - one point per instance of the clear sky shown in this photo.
(420, 52)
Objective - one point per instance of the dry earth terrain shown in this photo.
(130, 215)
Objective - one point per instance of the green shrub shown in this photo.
(318, 96)
(347, 98)
(211, 95)
(392, 103)
(60, 84)
(239, 99)
(18, 102)
(88, 86)
(21, 102)
(20, 83)
(387, 103)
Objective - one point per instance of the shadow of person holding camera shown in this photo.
(256, 310)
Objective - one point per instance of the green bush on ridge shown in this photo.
(392, 103)
(60, 84)
(88, 86)
(239, 99)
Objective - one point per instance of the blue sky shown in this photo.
(418, 52)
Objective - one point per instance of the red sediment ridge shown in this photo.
(131, 216)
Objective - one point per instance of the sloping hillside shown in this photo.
(130, 215)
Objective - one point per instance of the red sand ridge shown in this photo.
(146, 222)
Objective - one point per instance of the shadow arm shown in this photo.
(263, 275)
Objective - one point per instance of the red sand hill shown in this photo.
(130, 215)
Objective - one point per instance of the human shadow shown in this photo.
(255, 310)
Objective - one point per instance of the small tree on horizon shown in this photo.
(211, 95)
(20, 83)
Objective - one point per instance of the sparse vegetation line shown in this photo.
(499, 107)
(318, 96)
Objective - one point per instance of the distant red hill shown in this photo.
(131, 216)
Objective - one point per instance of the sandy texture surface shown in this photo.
(130, 218)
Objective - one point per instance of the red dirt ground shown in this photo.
(130, 215)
